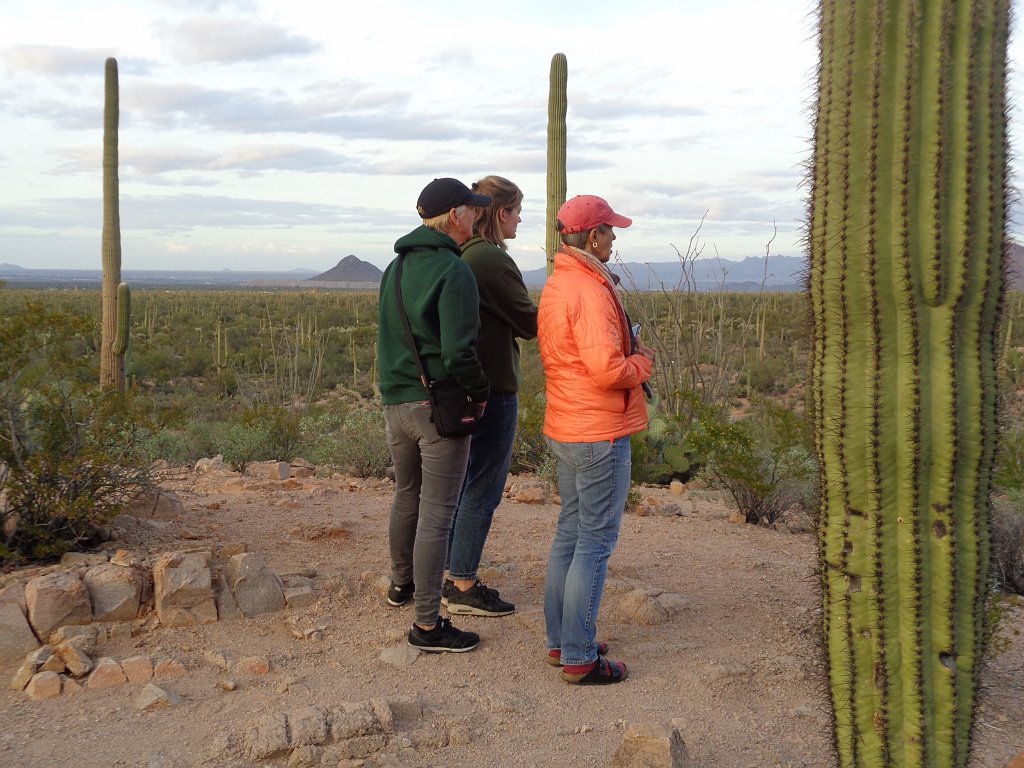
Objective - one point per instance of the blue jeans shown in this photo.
(429, 470)
(593, 480)
(490, 454)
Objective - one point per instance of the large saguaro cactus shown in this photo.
(557, 108)
(906, 236)
(111, 361)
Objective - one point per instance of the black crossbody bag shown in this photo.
(451, 408)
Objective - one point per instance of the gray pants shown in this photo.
(429, 470)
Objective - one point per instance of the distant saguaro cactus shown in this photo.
(907, 242)
(557, 108)
(111, 362)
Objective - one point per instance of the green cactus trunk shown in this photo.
(557, 108)
(122, 334)
(907, 229)
(111, 362)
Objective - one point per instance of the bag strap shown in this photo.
(405, 322)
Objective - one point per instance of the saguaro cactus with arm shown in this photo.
(906, 236)
(557, 108)
(111, 361)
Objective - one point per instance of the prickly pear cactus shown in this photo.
(557, 108)
(906, 236)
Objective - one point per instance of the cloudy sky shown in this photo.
(281, 134)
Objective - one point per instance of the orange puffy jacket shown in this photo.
(592, 380)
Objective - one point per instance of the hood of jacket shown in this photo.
(425, 237)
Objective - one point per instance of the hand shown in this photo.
(647, 352)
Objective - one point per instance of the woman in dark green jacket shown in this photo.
(506, 313)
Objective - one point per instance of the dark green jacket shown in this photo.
(506, 312)
(442, 303)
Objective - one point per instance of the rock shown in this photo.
(68, 686)
(1017, 762)
(16, 636)
(299, 597)
(75, 661)
(308, 726)
(53, 664)
(31, 664)
(227, 606)
(251, 665)
(207, 466)
(364, 746)
(126, 558)
(651, 746)
(647, 607)
(44, 685)
(156, 504)
(403, 655)
(277, 470)
(14, 594)
(82, 637)
(154, 697)
(115, 591)
(138, 669)
(217, 658)
(107, 674)
(232, 548)
(82, 558)
(54, 600)
(257, 589)
(166, 668)
(652, 507)
(351, 720)
(529, 491)
(265, 737)
(183, 589)
(676, 488)
(306, 757)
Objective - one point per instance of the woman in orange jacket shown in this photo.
(594, 372)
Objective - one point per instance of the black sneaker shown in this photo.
(478, 600)
(400, 595)
(443, 638)
(446, 589)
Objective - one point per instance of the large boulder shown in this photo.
(183, 589)
(115, 590)
(16, 636)
(55, 600)
(256, 587)
(156, 504)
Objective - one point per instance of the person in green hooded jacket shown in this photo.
(441, 301)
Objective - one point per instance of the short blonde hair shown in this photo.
(443, 222)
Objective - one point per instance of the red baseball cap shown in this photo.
(585, 212)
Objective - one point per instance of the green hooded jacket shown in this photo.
(443, 306)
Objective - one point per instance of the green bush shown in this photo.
(70, 455)
(765, 462)
(355, 442)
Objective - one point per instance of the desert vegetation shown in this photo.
(261, 375)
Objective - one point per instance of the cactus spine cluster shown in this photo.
(111, 360)
(906, 237)
(557, 108)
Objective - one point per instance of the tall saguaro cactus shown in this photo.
(557, 108)
(907, 229)
(111, 360)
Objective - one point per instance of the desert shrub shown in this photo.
(1008, 543)
(355, 441)
(69, 454)
(765, 462)
(1009, 473)
(530, 452)
(766, 376)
